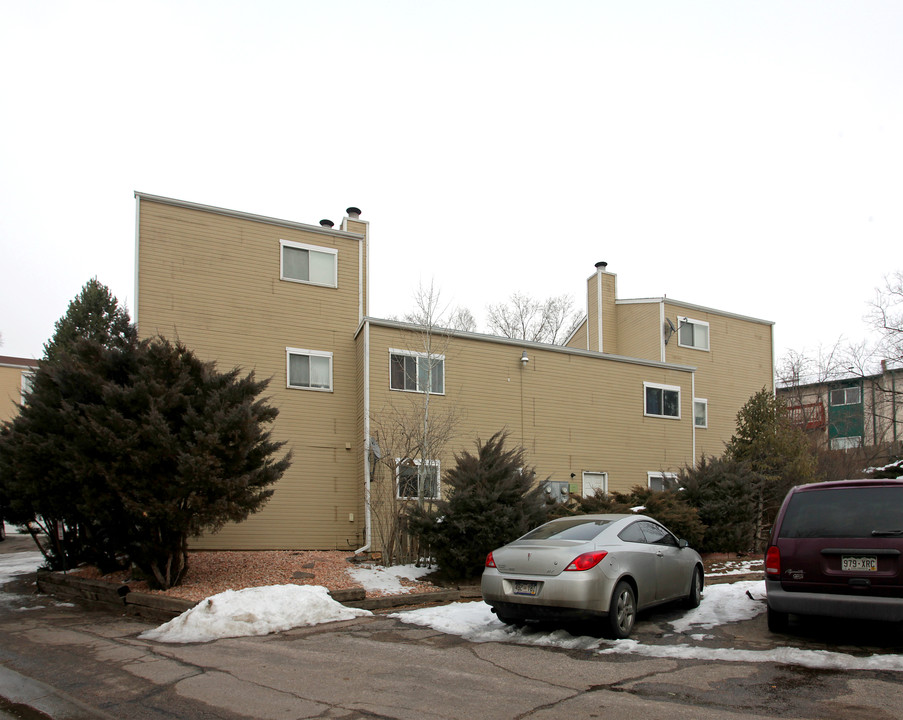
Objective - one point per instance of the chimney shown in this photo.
(354, 213)
(601, 329)
(326, 223)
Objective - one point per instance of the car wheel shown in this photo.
(777, 621)
(695, 596)
(622, 611)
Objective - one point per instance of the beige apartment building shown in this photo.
(15, 379)
(642, 388)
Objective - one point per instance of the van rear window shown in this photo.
(861, 512)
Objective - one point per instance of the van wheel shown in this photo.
(695, 597)
(777, 621)
(621, 611)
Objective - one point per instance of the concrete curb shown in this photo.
(23, 694)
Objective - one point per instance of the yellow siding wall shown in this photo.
(640, 334)
(10, 391)
(573, 412)
(738, 364)
(212, 282)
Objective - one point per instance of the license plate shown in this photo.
(853, 563)
(525, 587)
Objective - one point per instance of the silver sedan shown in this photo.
(604, 567)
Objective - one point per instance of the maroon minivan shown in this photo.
(836, 550)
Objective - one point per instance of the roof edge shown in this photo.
(317, 229)
(499, 340)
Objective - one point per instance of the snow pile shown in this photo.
(253, 611)
(376, 578)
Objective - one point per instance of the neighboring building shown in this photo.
(15, 380)
(850, 413)
(642, 388)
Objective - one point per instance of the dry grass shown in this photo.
(212, 572)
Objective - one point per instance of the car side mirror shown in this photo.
(682, 544)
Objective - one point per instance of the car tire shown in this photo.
(777, 621)
(695, 597)
(621, 611)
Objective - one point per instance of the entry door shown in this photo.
(593, 481)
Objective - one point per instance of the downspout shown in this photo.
(367, 518)
(137, 234)
(693, 413)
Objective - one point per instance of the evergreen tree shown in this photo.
(491, 498)
(93, 314)
(669, 507)
(724, 493)
(125, 448)
(777, 452)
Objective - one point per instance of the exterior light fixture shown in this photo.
(524, 359)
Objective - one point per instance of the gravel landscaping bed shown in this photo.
(212, 572)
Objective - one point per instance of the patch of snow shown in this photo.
(387, 579)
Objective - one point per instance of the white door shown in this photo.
(593, 481)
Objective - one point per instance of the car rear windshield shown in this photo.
(862, 512)
(570, 529)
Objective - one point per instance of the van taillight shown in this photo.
(773, 561)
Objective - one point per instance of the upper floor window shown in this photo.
(309, 369)
(417, 479)
(659, 481)
(308, 263)
(27, 384)
(662, 400)
(693, 333)
(416, 372)
(846, 396)
(700, 413)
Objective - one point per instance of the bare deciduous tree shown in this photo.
(526, 318)
(411, 432)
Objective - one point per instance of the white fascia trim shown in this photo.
(522, 344)
(317, 229)
(137, 256)
(367, 516)
(599, 307)
(690, 306)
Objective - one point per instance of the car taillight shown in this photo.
(489, 561)
(587, 560)
(773, 561)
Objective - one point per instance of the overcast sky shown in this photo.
(744, 156)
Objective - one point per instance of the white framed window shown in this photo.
(660, 481)
(846, 443)
(308, 263)
(661, 400)
(416, 479)
(693, 333)
(27, 384)
(308, 369)
(700, 412)
(846, 396)
(416, 372)
(593, 481)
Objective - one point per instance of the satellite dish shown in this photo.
(374, 448)
(669, 329)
